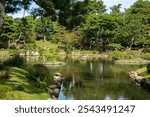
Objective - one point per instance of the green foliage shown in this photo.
(127, 54)
(70, 42)
(4, 75)
(141, 10)
(58, 34)
(15, 61)
(20, 88)
(43, 28)
(39, 75)
(148, 68)
(16, 32)
(98, 29)
(14, 95)
(13, 52)
(7, 32)
(4, 90)
(4, 72)
(146, 56)
(115, 46)
(2, 67)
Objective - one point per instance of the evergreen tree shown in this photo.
(11, 6)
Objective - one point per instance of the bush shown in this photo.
(38, 74)
(148, 68)
(2, 67)
(131, 54)
(4, 72)
(115, 55)
(115, 46)
(20, 88)
(43, 85)
(128, 54)
(15, 61)
(4, 75)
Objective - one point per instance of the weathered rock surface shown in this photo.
(144, 82)
(54, 89)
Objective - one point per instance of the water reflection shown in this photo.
(99, 80)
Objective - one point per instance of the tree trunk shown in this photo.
(44, 38)
(2, 12)
(132, 42)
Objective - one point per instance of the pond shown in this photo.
(99, 80)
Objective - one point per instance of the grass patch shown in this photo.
(21, 88)
(46, 45)
(137, 61)
(18, 95)
(143, 72)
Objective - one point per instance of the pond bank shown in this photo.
(137, 61)
(144, 82)
(55, 87)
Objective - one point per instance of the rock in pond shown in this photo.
(54, 92)
(145, 83)
(58, 77)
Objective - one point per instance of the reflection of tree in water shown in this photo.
(71, 79)
(100, 80)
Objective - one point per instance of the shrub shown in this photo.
(2, 67)
(148, 68)
(4, 72)
(115, 46)
(4, 75)
(128, 54)
(115, 55)
(131, 54)
(15, 61)
(20, 88)
(43, 85)
(38, 74)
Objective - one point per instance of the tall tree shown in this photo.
(141, 9)
(115, 9)
(93, 27)
(11, 6)
(7, 33)
(2, 12)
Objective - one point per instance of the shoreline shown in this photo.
(143, 82)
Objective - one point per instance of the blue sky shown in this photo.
(108, 3)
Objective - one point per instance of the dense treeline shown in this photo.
(77, 24)
(56, 26)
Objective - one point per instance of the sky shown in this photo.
(108, 3)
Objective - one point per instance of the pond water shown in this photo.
(98, 80)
